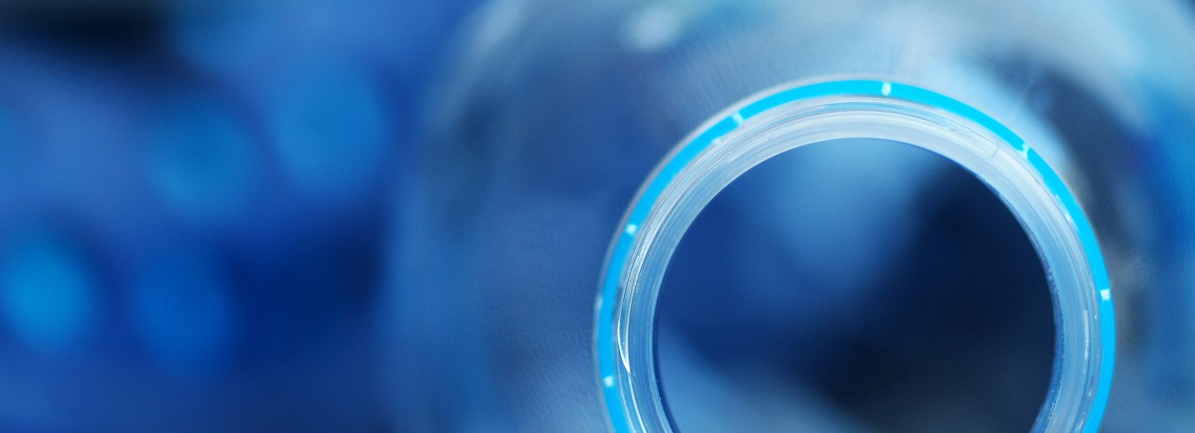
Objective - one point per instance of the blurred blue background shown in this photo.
(193, 202)
(204, 212)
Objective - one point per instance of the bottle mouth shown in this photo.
(794, 116)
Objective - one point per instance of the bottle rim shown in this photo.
(795, 115)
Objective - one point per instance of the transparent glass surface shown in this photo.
(549, 116)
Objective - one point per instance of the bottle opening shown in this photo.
(854, 285)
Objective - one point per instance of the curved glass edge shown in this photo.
(719, 127)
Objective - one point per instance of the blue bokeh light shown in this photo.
(49, 291)
(183, 311)
(330, 130)
(201, 160)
